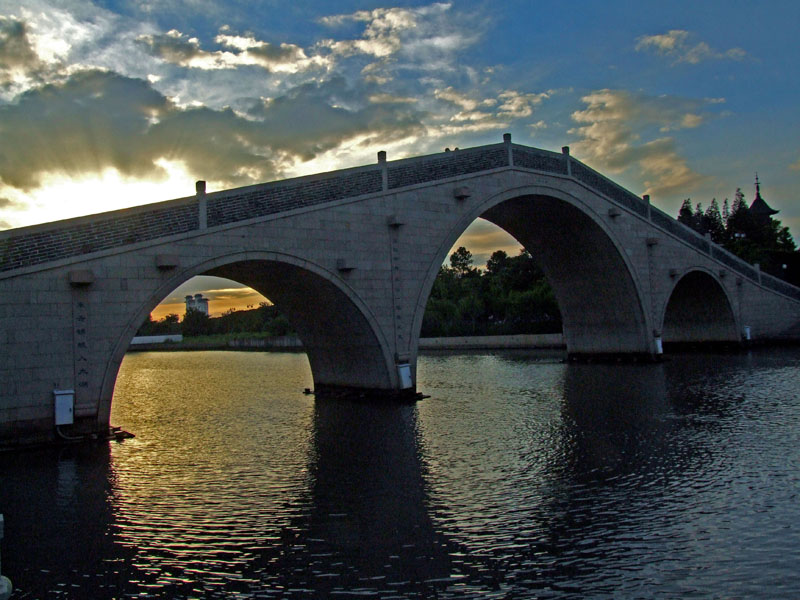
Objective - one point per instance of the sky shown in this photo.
(105, 105)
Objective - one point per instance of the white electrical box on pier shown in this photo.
(65, 406)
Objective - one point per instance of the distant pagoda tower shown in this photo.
(760, 211)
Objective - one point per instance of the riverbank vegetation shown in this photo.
(264, 321)
(511, 295)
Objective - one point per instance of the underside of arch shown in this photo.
(342, 346)
(342, 342)
(698, 312)
(600, 305)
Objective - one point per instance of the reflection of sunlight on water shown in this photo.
(210, 458)
(518, 477)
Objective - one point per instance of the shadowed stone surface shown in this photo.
(350, 257)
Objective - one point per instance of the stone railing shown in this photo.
(31, 246)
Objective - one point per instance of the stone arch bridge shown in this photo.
(350, 257)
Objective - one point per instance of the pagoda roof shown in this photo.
(759, 206)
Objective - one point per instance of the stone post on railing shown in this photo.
(5, 585)
(565, 153)
(384, 170)
(202, 204)
(509, 150)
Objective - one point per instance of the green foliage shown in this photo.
(685, 214)
(510, 297)
(169, 325)
(195, 322)
(266, 319)
(461, 262)
(712, 223)
(766, 242)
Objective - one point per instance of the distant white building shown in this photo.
(197, 302)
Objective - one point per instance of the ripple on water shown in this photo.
(519, 477)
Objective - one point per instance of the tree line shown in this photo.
(755, 239)
(511, 296)
(266, 319)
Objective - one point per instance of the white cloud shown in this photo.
(386, 29)
(463, 100)
(179, 49)
(677, 45)
(480, 114)
(613, 128)
(385, 98)
(518, 105)
(425, 38)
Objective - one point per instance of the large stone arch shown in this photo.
(699, 311)
(593, 280)
(340, 335)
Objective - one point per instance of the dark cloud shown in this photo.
(171, 47)
(309, 119)
(97, 120)
(92, 121)
(179, 49)
(271, 54)
(16, 51)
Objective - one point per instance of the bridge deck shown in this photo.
(40, 244)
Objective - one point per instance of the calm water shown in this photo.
(520, 477)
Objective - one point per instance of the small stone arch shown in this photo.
(340, 335)
(595, 285)
(699, 311)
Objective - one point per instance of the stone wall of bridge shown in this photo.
(351, 258)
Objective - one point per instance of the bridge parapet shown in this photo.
(609, 189)
(414, 171)
(267, 199)
(76, 237)
(41, 244)
(540, 160)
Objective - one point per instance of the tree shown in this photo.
(697, 218)
(712, 223)
(461, 262)
(279, 326)
(497, 262)
(510, 296)
(166, 326)
(195, 322)
(737, 222)
(686, 214)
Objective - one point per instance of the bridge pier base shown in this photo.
(712, 346)
(344, 392)
(614, 357)
(5, 584)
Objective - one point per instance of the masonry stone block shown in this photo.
(286, 240)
